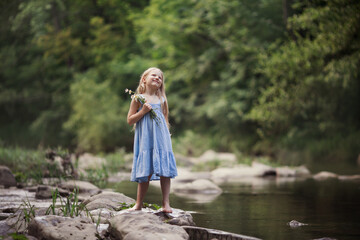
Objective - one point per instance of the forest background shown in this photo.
(277, 78)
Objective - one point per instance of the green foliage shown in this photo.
(314, 89)
(97, 176)
(247, 76)
(96, 113)
(124, 206)
(28, 164)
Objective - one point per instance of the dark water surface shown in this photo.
(263, 207)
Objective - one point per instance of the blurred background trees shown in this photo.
(261, 77)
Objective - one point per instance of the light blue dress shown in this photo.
(153, 154)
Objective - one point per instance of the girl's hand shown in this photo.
(146, 108)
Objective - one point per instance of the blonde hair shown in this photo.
(160, 93)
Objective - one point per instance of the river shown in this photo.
(263, 207)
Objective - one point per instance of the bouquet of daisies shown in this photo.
(142, 100)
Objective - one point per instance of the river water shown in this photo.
(262, 207)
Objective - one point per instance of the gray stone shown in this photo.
(325, 175)
(45, 192)
(101, 215)
(177, 217)
(109, 200)
(349, 177)
(295, 224)
(7, 179)
(83, 186)
(140, 225)
(61, 228)
(5, 228)
(240, 172)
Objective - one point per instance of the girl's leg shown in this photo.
(165, 188)
(141, 192)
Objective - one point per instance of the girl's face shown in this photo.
(154, 79)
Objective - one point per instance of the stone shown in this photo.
(349, 177)
(241, 171)
(285, 172)
(177, 217)
(302, 171)
(109, 200)
(89, 161)
(45, 192)
(203, 186)
(325, 175)
(139, 225)
(200, 233)
(295, 224)
(101, 215)
(5, 228)
(83, 186)
(7, 179)
(59, 228)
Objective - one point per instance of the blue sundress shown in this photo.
(153, 154)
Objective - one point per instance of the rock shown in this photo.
(302, 171)
(59, 228)
(203, 186)
(199, 233)
(7, 179)
(101, 215)
(140, 225)
(240, 172)
(324, 175)
(12, 199)
(295, 224)
(177, 217)
(89, 161)
(5, 228)
(45, 192)
(109, 200)
(349, 178)
(285, 172)
(84, 187)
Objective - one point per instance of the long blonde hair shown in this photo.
(160, 93)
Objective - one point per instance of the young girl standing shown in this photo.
(153, 155)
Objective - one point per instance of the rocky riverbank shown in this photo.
(80, 210)
(73, 209)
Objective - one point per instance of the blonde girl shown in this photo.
(153, 155)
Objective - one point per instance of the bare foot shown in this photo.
(166, 209)
(135, 208)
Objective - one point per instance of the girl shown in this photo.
(153, 155)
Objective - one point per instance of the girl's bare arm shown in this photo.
(133, 115)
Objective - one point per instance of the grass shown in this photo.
(69, 206)
(27, 213)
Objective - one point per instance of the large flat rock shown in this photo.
(62, 228)
(138, 225)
